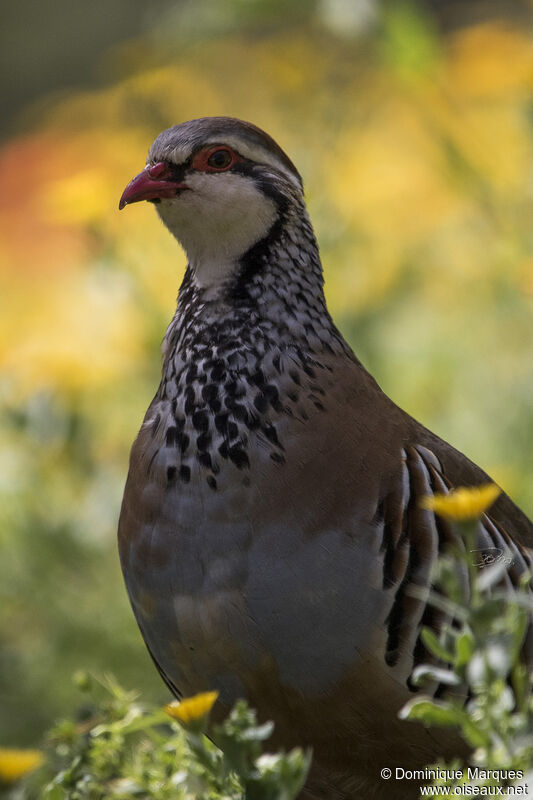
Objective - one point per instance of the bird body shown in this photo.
(271, 529)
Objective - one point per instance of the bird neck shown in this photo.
(273, 298)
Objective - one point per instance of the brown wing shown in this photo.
(413, 538)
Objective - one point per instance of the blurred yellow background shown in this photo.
(413, 129)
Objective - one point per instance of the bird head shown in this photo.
(220, 185)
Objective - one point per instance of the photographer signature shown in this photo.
(491, 555)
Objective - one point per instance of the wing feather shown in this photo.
(413, 537)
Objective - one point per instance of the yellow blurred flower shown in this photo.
(193, 711)
(463, 503)
(77, 334)
(16, 763)
(490, 60)
(83, 197)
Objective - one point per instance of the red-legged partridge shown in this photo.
(271, 529)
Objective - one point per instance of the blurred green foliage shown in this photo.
(479, 657)
(123, 749)
(416, 145)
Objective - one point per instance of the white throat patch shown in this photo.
(216, 221)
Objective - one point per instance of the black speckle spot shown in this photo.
(171, 437)
(190, 399)
(258, 379)
(252, 421)
(271, 434)
(185, 473)
(276, 364)
(211, 482)
(261, 402)
(272, 394)
(223, 449)
(235, 389)
(239, 457)
(293, 396)
(295, 376)
(191, 374)
(239, 411)
(171, 474)
(200, 420)
(278, 458)
(205, 460)
(233, 430)
(218, 372)
(210, 393)
(203, 441)
(182, 440)
(221, 422)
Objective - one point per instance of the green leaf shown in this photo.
(473, 733)
(54, 792)
(434, 646)
(431, 712)
(431, 673)
(464, 648)
(258, 733)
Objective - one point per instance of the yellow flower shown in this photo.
(84, 197)
(193, 711)
(16, 763)
(463, 503)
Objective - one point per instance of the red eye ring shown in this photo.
(215, 159)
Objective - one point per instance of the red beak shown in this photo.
(155, 181)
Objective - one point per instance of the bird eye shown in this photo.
(220, 159)
(216, 158)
